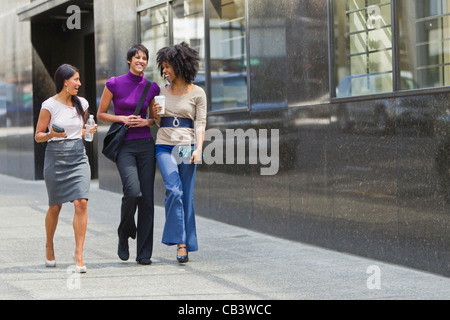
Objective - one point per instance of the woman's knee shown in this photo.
(131, 188)
(132, 193)
(54, 210)
(81, 204)
(174, 191)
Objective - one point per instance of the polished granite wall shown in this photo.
(377, 188)
(16, 107)
(356, 187)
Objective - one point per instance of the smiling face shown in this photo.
(168, 72)
(138, 63)
(73, 84)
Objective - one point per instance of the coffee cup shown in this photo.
(161, 100)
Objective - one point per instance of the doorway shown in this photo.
(54, 43)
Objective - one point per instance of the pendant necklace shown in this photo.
(176, 122)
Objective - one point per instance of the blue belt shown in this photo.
(175, 122)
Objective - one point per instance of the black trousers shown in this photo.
(136, 164)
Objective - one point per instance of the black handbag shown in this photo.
(118, 131)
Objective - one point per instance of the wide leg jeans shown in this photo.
(179, 182)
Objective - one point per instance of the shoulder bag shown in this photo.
(118, 131)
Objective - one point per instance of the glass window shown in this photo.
(154, 26)
(228, 54)
(362, 47)
(145, 2)
(424, 43)
(189, 26)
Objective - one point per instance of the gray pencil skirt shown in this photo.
(67, 173)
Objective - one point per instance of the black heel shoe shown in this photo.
(182, 259)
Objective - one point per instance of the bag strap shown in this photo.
(141, 101)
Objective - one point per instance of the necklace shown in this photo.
(176, 122)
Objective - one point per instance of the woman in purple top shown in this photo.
(136, 159)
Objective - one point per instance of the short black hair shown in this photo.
(135, 49)
(183, 59)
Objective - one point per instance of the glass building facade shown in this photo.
(354, 93)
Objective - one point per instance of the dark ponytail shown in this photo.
(65, 72)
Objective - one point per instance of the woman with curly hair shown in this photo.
(179, 143)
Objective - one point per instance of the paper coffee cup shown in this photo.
(161, 100)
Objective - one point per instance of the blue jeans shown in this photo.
(179, 181)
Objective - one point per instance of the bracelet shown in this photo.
(48, 137)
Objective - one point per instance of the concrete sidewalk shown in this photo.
(232, 264)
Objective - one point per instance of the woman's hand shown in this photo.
(136, 121)
(53, 134)
(156, 109)
(196, 156)
(93, 129)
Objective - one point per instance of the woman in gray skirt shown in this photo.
(66, 167)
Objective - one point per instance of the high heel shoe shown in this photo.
(78, 269)
(82, 269)
(182, 259)
(50, 263)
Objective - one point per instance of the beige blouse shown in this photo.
(191, 105)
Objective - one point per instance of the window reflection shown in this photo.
(145, 2)
(228, 54)
(424, 43)
(363, 47)
(188, 26)
(154, 28)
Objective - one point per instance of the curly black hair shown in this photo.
(183, 59)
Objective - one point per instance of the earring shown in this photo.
(67, 89)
